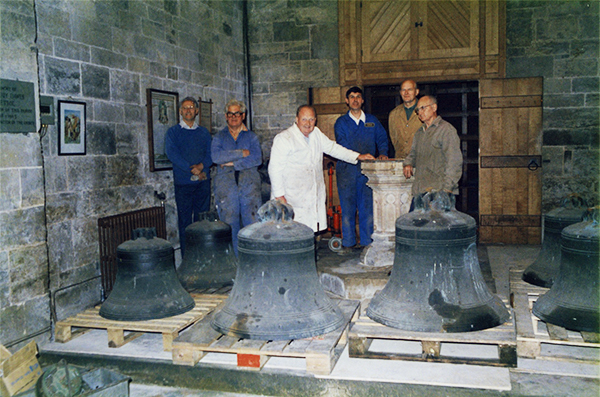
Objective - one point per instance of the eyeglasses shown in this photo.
(417, 110)
(188, 107)
(234, 114)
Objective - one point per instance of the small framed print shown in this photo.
(71, 128)
(163, 113)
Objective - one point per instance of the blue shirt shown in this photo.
(187, 147)
(366, 137)
(225, 149)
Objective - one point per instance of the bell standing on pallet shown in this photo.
(146, 287)
(573, 300)
(436, 283)
(277, 294)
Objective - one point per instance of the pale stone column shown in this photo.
(391, 198)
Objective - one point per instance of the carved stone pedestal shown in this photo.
(391, 198)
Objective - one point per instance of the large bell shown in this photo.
(436, 283)
(146, 286)
(544, 269)
(277, 294)
(572, 302)
(209, 260)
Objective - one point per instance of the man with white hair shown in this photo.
(296, 167)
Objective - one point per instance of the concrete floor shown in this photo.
(154, 375)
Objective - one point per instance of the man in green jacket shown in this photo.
(435, 158)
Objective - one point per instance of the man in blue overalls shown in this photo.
(362, 133)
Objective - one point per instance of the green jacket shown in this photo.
(436, 156)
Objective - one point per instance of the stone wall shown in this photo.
(558, 40)
(293, 46)
(24, 303)
(106, 54)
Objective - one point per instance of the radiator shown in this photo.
(116, 229)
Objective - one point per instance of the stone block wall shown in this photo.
(24, 298)
(106, 54)
(559, 41)
(293, 46)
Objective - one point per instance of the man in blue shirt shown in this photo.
(237, 181)
(187, 145)
(362, 133)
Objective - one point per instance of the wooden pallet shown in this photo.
(364, 331)
(169, 327)
(533, 333)
(321, 352)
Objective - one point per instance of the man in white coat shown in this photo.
(296, 167)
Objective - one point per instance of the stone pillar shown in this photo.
(391, 198)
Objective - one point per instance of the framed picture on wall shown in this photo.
(205, 114)
(71, 128)
(163, 113)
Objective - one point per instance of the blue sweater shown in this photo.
(185, 148)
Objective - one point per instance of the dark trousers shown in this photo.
(190, 199)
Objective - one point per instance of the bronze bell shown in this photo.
(436, 283)
(573, 300)
(544, 269)
(209, 260)
(277, 294)
(146, 285)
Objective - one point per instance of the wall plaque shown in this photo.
(17, 106)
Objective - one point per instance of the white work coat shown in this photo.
(296, 172)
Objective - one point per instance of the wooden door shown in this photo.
(448, 29)
(510, 163)
(388, 31)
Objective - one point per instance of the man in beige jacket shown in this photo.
(403, 121)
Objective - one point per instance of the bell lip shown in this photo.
(135, 316)
(493, 318)
(274, 335)
(558, 315)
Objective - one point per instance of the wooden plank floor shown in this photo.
(320, 352)
(169, 327)
(533, 333)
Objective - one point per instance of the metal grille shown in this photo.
(116, 229)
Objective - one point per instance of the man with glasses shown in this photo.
(237, 153)
(363, 133)
(187, 145)
(403, 121)
(296, 167)
(435, 158)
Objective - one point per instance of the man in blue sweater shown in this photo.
(362, 133)
(187, 145)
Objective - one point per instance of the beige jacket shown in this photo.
(402, 130)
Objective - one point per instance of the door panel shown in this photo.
(510, 121)
(386, 31)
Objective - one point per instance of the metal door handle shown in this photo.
(533, 165)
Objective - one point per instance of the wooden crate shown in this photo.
(321, 352)
(364, 331)
(533, 333)
(169, 327)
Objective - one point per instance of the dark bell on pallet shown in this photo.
(277, 294)
(436, 283)
(146, 286)
(573, 300)
(544, 269)
(209, 260)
